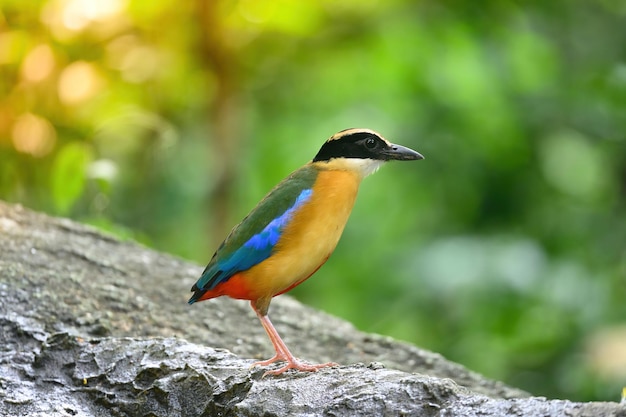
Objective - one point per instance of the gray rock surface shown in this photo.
(90, 325)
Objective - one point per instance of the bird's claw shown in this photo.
(269, 361)
(291, 364)
(300, 367)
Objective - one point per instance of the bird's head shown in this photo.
(361, 150)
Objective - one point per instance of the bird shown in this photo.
(293, 230)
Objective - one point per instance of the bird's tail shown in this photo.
(197, 294)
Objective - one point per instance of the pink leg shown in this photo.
(282, 352)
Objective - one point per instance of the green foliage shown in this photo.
(504, 250)
(68, 178)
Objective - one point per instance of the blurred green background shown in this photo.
(505, 250)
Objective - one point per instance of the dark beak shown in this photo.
(401, 153)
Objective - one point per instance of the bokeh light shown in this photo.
(33, 135)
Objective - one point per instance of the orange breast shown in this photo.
(306, 243)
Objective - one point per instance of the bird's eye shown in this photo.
(370, 143)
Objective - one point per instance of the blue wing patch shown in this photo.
(255, 250)
(269, 236)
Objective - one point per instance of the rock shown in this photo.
(93, 326)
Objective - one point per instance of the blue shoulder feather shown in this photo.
(259, 247)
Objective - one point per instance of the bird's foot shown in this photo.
(282, 352)
(300, 366)
(275, 358)
(292, 364)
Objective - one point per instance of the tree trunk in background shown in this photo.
(224, 113)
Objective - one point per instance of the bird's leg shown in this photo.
(278, 344)
(282, 352)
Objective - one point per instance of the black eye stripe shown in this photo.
(358, 136)
(362, 145)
